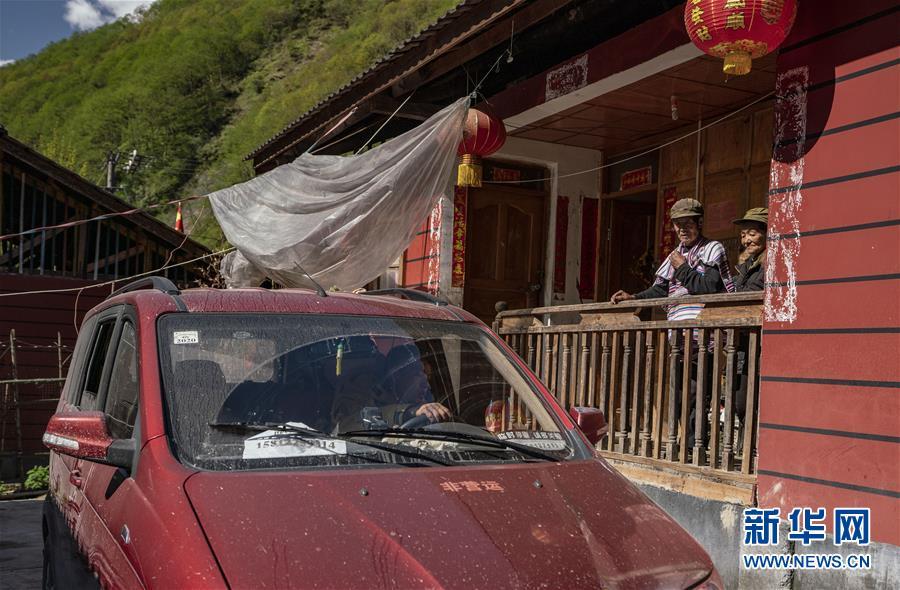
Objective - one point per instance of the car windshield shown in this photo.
(250, 391)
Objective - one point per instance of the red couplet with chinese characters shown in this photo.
(739, 31)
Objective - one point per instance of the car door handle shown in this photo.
(75, 478)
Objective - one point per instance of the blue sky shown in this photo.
(27, 26)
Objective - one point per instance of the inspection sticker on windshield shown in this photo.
(273, 444)
(191, 337)
(546, 441)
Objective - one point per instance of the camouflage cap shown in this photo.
(757, 214)
(686, 208)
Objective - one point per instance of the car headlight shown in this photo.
(713, 582)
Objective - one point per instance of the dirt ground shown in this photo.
(20, 544)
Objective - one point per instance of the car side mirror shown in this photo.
(84, 435)
(591, 421)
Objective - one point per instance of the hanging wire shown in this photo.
(377, 131)
(491, 70)
(331, 130)
(121, 280)
(101, 217)
(348, 136)
(577, 173)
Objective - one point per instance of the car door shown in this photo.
(110, 491)
(89, 356)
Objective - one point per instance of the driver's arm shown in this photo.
(397, 414)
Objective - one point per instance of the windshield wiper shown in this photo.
(446, 435)
(312, 433)
(263, 426)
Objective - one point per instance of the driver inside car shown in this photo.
(401, 394)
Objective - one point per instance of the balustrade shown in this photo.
(683, 393)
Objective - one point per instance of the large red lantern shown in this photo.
(739, 31)
(483, 135)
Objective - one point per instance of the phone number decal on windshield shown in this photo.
(546, 441)
(273, 444)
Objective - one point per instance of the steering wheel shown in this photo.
(416, 422)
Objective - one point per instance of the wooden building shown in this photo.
(48, 280)
(606, 130)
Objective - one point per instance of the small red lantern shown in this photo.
(739, 31)
(483, 135)
(179, 223)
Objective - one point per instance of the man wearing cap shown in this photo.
(752, 261)
(697, 266)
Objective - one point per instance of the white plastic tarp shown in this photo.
(342, 219)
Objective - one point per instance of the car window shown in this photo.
(123, 391)
(337, 375)
(72, 388)
(95, 365)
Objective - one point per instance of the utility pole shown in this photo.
(133, 162)
(112, 158)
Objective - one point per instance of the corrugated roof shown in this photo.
(383, 63)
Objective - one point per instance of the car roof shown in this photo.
(259, 300)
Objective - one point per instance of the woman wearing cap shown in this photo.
(698, 265)
(751, 270)
(752, 261)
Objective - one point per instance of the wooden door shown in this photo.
(504, 250)
(630, 247)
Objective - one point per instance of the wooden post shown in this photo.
(529, 355)
(545, 365)
(672, 423)
(714, 403)
(97, 249)
(728, 427)
(582, 368)
(611, 397)
(700, 401)
(603, 394)
(564, 381)
(554, 365)
(636, 397)
(622, 433)
(648, 397)
(659, 406)
(750, 421)
(592, 372)
(21, 223)
(43, 232)
(15, 401)
(685, 394)
(59, 353)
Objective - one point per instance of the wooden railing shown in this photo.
(647, 374)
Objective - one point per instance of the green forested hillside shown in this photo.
(194, 85)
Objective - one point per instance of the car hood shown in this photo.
(535, 525)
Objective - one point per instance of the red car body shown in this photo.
(163, 524)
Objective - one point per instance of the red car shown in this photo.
(292, 439)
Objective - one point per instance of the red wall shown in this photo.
(37, 319)
(829, 400)
(416, 260)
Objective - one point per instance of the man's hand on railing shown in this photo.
(620, 295)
